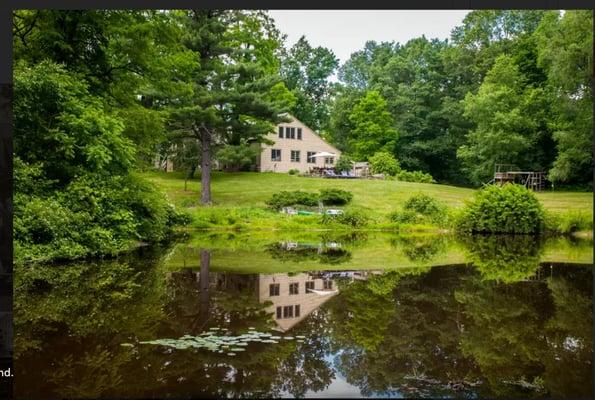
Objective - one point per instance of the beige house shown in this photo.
(293, 148)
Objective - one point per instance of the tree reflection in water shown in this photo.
(504, 327)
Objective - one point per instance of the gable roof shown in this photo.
(316, 133)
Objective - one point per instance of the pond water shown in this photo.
(311, 315)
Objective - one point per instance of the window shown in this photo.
(309, 285)
(299, 133)
(281, 132)
(288, 312)
(275, 154)
(297, 311)
(295, 156)
(328, 284)
(291, 133)
(294, 288)
(274, 289)
(279, 312)
(329, 160)
(310, 159)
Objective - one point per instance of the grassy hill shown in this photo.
(241, 196)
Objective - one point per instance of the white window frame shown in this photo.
(295, 159)
(272, 156)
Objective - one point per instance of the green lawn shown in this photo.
(248, 189)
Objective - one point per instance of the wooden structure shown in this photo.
(508, 173)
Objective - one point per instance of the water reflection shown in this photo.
(513, 328)
(330, 252)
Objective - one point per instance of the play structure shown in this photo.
(508, 173)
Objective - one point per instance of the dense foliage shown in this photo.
(236, 157)
(344, 164)
(77, 116)
(306, 71)
(509, 87)
(415, 176)
(503, 209)
(384, 163)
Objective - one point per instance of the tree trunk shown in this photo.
(203, 281)
(205, 164)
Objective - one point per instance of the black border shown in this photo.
(6, 248)
(6, 7)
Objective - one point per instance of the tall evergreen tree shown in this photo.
(230, 98)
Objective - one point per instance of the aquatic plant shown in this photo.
(211, 341)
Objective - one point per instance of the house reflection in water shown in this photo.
(293, 296)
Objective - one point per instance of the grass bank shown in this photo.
(239, 200)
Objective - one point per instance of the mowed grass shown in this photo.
(251, 189)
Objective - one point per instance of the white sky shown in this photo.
(346, 31)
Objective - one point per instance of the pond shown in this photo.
(311, 315)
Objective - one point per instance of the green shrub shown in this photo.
(286, 199)
(335, 197)
(419, 209)
(92, 216)
(343, 164)
(293, 171)
(406, 217)
(508, 209)
(353, 218)
(426, 205)
(568, 222)
(415, 176)
(384, 163)
(188, 202)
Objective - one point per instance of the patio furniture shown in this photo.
(347, 175)
(329, 173)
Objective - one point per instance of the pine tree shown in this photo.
(230, 100)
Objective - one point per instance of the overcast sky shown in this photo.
(346, 31)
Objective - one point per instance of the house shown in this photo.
(293, 146)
